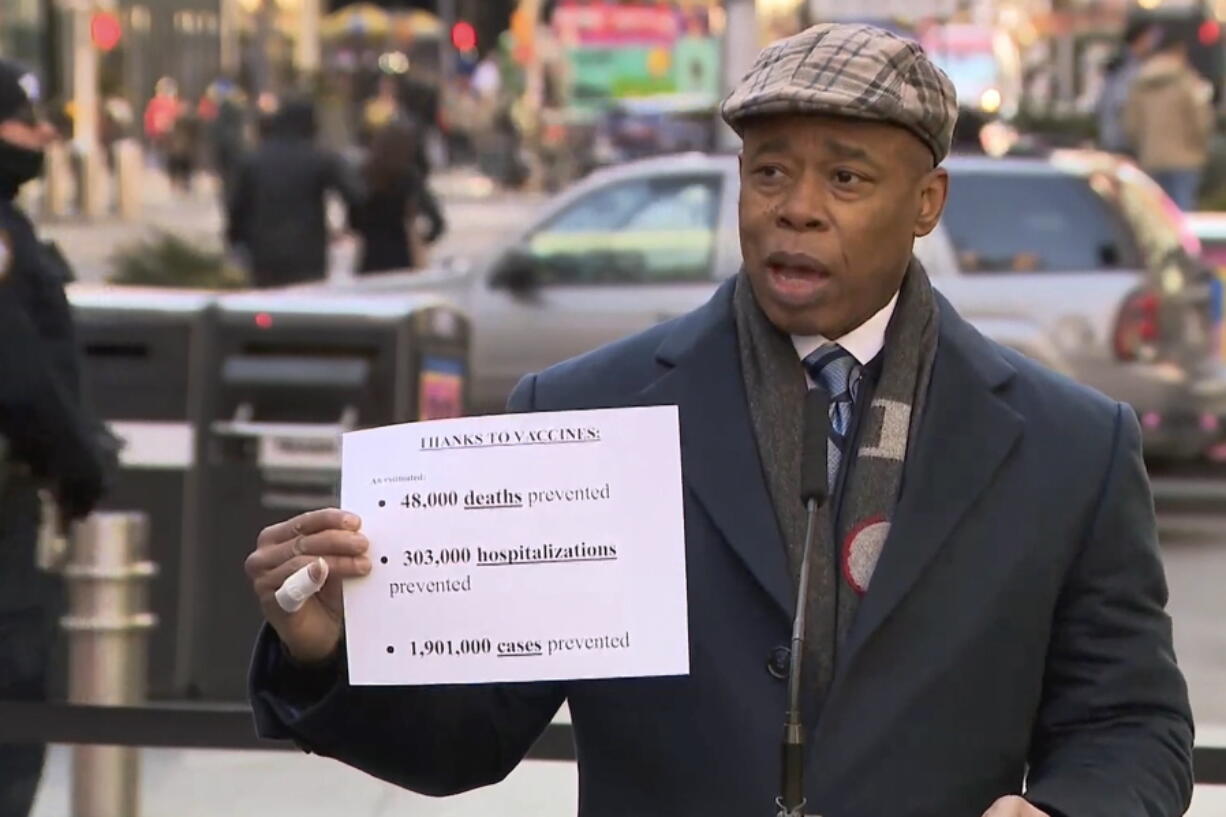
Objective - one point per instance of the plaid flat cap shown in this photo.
(851, 70)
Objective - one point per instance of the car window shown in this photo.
(1010, 223)
(642, 231)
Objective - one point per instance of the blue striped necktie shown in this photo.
(834, 369)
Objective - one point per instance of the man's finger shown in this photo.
(301, 585)
(323, 543)
(342, 567)
(328, 543)
(308, 523)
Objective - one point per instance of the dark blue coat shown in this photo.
(1015, 619)
(47, 439)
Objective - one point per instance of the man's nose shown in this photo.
(805, 206)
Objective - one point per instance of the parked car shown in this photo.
(1077, 260)
(1210, 230)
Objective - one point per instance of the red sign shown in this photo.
(105, 30)
(612, 24)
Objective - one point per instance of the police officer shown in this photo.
(49, 443)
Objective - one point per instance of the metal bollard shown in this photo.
(108, 628)
(94, 189)
(57, 181)
(129, 166)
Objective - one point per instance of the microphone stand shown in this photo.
(792, 803)
(813, 493)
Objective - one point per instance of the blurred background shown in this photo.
(292, 218)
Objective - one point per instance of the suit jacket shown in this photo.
(1015, 621)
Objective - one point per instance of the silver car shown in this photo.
(1075, 259)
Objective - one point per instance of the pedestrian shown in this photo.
(161, 113)
(277, 214)
(397, 195)
(461, 112)
(49, 444)
(1169, 120)
(1140, 38)
(227, 131)
(986, 632)
(385, 107)
(182, 146)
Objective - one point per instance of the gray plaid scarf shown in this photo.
(775, 385)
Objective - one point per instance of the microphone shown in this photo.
(814, 491)
(813, 449)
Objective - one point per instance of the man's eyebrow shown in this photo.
(848, 152)
(776, 144)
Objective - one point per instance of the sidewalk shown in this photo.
(478, 217)
(89, 244)
(210, 783)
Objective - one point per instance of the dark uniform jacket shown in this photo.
(49, 439)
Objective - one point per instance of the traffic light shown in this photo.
(104, 30)
(464, 36)
(1209, 32)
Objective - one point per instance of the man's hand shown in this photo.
(1013, 806)
(313, 632)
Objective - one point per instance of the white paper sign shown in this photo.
(518, 547)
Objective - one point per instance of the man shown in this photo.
(48, 441)
(277, 213)
(1169, 119)
(385, 107)
(227, 127)
(1140, 39)
(990, 624)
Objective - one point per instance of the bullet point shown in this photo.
(390, 649)
(383, 560)
(381, 503)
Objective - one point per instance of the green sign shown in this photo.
(603, 73)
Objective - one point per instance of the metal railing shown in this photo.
(230, 726)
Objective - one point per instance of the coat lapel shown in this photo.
(719, 454)
(965, 434)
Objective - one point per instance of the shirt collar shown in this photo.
(864, 342)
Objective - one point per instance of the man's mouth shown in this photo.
(795, 277)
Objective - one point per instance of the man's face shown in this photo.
(27, 131)
(829, 211)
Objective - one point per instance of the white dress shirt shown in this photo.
(864, 342)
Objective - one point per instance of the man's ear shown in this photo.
(933, 192)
